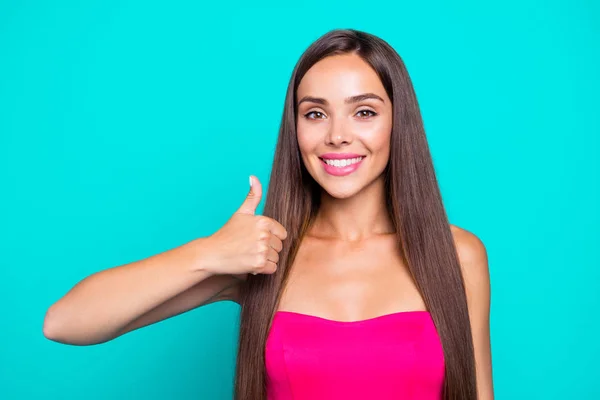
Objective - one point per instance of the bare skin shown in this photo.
(348, 266)
(352, 281)
(114, 301)
(344, 281)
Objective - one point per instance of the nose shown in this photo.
(337, 136)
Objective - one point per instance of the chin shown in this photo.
(340, 191)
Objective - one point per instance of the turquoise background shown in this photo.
(128, 128)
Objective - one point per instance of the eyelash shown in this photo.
(373, 114)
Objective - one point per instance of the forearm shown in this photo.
(97, 308)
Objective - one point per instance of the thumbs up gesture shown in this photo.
(247, 243)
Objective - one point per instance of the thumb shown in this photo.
(253, 198)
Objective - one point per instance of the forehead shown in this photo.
(339, 76)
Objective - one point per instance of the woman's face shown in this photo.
(344, 124)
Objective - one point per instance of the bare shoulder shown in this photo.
(471, 252)
(473, 260)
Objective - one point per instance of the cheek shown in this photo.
(308, 138)
(383, 138)
(384, 147)
(377, 138)
(305, 146)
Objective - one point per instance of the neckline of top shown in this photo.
(408, 313)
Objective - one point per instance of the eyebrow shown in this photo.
(348, 100)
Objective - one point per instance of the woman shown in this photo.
(352, 284)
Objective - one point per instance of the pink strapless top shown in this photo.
(394, 356)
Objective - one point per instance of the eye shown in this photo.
(373, 113)
(313, 112)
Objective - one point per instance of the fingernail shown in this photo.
(250, 178)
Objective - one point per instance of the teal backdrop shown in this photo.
(128, 128)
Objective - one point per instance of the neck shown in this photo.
(355, 218)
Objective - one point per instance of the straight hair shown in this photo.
(414, 203)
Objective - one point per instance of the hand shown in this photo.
(247, 243)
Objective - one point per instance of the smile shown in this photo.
(341, 167)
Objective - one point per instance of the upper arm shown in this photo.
(474, 264)
(210, 290)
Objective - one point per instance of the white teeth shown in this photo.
(343, 163)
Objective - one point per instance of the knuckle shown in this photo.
(263, 221)
(263, 236)
(260, 261)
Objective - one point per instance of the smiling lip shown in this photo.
(340, 171)
(340, 156)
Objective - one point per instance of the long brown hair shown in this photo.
(414, 203)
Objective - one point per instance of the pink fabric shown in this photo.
(395, 356)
